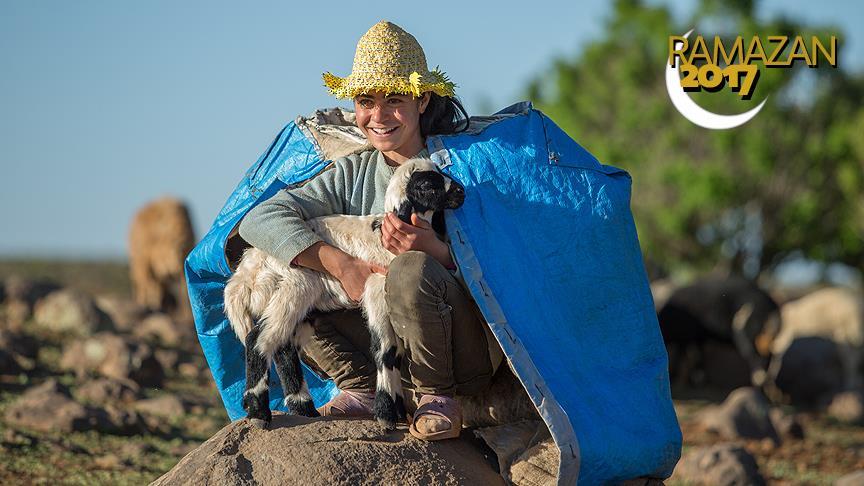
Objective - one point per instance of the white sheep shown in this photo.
(267, 301)
(833, 313)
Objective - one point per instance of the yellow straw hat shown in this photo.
(391, 60)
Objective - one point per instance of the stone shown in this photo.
(328, 451)
(848, 407)
(852, 479)
(70, 311)
(113, 356)
(787, 426)
(166, 406)
(168, 358)
(810, 372)
(536, 466)
(27, 291)
(745, 414)
(48, 407)
(160, 328)
(108, 390)
(509, 441)
(123, 312)
(720, 465)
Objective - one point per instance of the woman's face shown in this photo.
(391, 123)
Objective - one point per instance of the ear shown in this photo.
(404, 212)
(424, 101)
(455, 196)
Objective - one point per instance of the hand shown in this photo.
(399, 237)
(353, 274)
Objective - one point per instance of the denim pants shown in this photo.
(448, 348)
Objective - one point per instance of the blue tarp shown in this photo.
(547, 245)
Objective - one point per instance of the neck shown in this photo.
(404, 154)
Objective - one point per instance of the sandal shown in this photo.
(446, 408)
(349, 403)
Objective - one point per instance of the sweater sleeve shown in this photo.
(278, 225)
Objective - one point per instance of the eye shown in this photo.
(394, 101)
(366, 103)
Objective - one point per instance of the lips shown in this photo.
(383, 131)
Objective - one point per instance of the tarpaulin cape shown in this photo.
(548, 248)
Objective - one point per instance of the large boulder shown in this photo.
(718, 465)
(327, 451)
(113, 356)
(70, 311)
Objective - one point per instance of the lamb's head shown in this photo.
(419, 187)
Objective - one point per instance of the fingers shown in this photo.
(378, 269)
(419, 222)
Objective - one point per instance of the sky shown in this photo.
(106, 105)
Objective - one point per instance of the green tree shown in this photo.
(789, 180)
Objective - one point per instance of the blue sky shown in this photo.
(105, 105)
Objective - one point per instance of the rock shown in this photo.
(17, 353)
(536, 466)
(49, 408)
(166, 406)
(160, 328)
(852, 479)
(113, 356)
(509, 441)
(108, 390)
(744, 414)
(189, 370)
(17, 313)
(70, 311)
(168, 358)
(848, 407)
(327, 451)
(124, 313)
(27, 291)
(810, 371)
(720, 465)
(46, 408)
(787, 426)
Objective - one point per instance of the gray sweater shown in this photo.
(354, 185)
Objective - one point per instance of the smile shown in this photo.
(383, 131)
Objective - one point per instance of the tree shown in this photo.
(790, 180)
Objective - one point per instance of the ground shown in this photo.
(828, 451)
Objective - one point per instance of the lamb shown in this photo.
(268, 302)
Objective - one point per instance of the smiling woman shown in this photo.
(448, 349)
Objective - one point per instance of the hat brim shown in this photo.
(416, 84)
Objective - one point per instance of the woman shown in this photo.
(398, 102)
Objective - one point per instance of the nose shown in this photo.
(379, 113)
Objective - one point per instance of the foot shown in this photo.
(437, 417)
(349, 403)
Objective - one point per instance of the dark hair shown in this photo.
(443, 115)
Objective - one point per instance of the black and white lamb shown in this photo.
(268, 301)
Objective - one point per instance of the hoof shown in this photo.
(258, 423)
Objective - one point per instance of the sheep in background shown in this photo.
(267, 301)
(723, 310)
(160, 237)
(835, 314)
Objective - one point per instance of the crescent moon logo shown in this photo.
(695, 113)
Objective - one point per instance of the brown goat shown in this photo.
(159, 239)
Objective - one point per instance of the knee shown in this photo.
(414, 277)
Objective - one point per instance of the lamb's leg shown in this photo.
(256, 400)
(297, 398)
(389, 402)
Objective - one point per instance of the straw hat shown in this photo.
(391, 60)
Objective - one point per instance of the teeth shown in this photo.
(383, 131)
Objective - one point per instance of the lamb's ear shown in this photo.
(455, 196)
(404, 212)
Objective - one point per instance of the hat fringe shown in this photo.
(438, 83)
